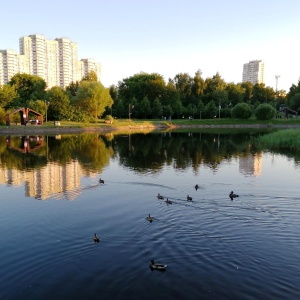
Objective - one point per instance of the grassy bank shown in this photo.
(148, 125)
(282, 139)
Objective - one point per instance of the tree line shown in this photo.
(145, 96)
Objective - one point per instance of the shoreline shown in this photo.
(25, 130)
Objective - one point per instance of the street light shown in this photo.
(46, 108)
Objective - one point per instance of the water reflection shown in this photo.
(54, 165)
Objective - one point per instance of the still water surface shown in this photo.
(51, 203)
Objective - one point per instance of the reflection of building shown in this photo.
(251, 164)
(53, 179)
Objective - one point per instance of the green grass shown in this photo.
(281, 139)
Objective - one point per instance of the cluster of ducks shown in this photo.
(153, 265)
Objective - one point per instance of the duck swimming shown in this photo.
(233, 195)
(189, 198)
(159, 196)
(156, 266)
(168, 201)
(101, 181)
(150, 219)
(196, 187)
(96, 238)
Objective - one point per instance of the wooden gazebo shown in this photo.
(24, 116)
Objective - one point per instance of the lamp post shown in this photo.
(46, 109)
(219, 109)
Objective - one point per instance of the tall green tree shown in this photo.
(157, 109)
(58, 104)
(92, 97)
(145, 108)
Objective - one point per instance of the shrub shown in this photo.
(265, 112)
(109, 119)
(241, 111)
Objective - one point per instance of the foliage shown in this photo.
(7, 94)
(28, 87)
(265, 112)
(2, 116)
(37, 105)
(58, 104)
(157, 108)
(109, 118)
(91, 76)
(295, 102)
(210, 110)
(241, 111)
(92, 97)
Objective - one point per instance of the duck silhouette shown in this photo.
(150, 219)
(159, 196)
(189, 198)
(156, 266)
(96, 238)
(168, 201)
(196, 187)
(233, 195)
(101, 181)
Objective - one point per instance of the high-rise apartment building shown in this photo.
(56, 61)
(10, 64)
(254, 71)
(87, 65)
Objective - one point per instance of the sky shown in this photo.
(167, 37)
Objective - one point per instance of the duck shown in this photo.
(101, 181)
(150, 219)
(159, 196)
(189, 198)
(168, 201)
(196, 187)
(233, 195)
(96, 238)
(156, 266)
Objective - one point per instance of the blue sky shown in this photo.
(167, 37)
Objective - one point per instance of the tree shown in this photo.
(92, 97)
(183, 83)
(210, 110)
(235, 93)
(142, 85)
(241, 111)
(28, 87)
(295, 102)
(7, 94)
(72, 88)
(145, 107)
(200, 108)
(248, 88)
(58, 103)
(157, 108)
(91, 76)
(265, 112)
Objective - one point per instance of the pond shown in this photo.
(52, 203)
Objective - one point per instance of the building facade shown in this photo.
(56, 61)
(254, 72)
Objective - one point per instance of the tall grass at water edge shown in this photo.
(282, 139)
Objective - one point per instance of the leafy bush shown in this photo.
(265, 112)
(241, 111)
(109, 119)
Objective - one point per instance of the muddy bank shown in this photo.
(36, 130)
